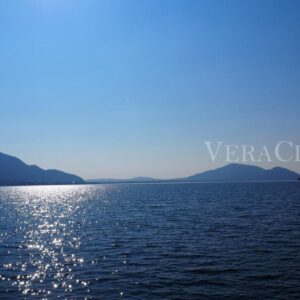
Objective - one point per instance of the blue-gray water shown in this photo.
(151, 241)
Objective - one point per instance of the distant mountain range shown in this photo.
(230, 172)
(241, 172)
(134, 179)
(13, 171)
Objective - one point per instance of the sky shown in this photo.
(124, 88)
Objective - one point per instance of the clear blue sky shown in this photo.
(126, 88)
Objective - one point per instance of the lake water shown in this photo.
(151, 241)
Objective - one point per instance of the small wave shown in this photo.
(263, 277)
(214, 270)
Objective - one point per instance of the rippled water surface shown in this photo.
(151, 241)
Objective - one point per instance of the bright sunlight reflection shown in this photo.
(48, 222)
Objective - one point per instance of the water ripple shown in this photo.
(185, 241)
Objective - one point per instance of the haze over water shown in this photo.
(151, 241)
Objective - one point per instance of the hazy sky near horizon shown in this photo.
(123, 88)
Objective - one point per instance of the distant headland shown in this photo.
(13, 171)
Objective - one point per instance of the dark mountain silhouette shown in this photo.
(241, 172)
(13, 171)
